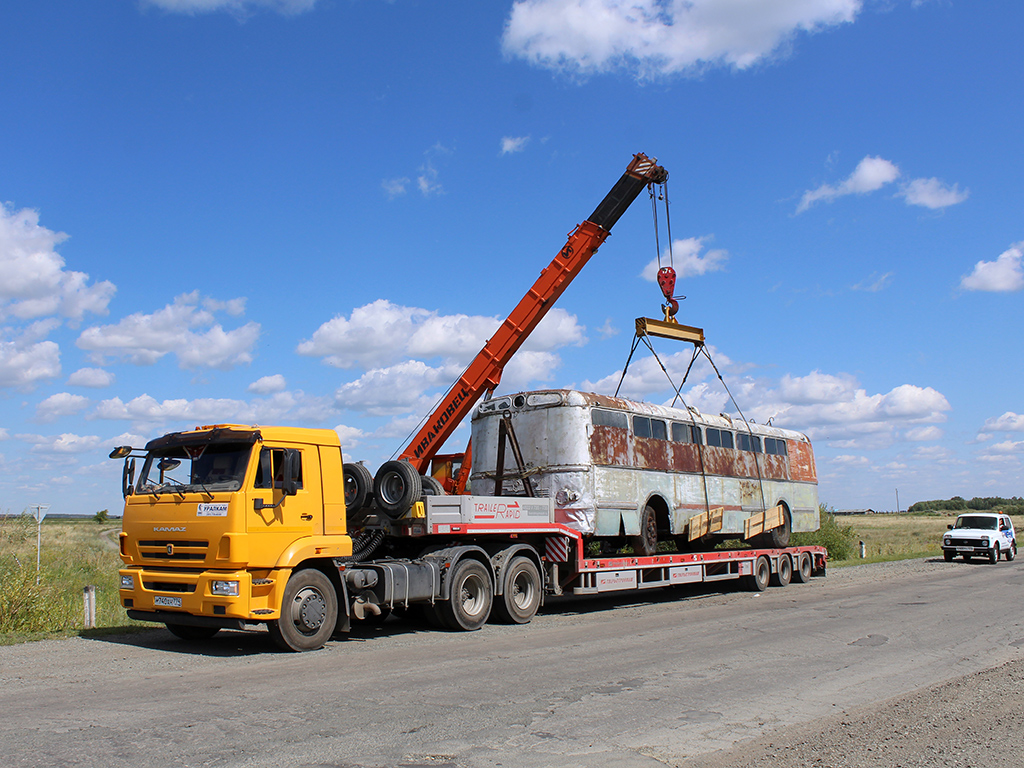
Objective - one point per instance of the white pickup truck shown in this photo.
(982, 534)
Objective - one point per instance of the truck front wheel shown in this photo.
(469, 606)
(309, 612)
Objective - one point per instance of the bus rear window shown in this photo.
(775, 446)
(601, 418)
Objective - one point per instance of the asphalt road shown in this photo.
(597, 682)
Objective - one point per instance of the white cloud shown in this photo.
(381, 333)
(185, 328)
(816, 387)
(394, 390)
(922, 434)
(268, 385)
(287, 7)
(511, 144)
(932, 193)
(94, 378)
(61, 404)
(651, 37)
(147, 413)
(1003, 275)
(871, 174)
(67, 443)
(1008, 422)
(1007, 447)
(350, 437)
(395, 187)
(35, 282)
(25, 365)
(687, 260)
(874, 282)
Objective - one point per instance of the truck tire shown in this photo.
(309, 612)
(431, 486)
(521, 592)
(358, 487)
(783, 571)
(186, 632)
(646, 544)
(993, 555)
(396, 488)
(758, 580)
(471, 599)
(804, 568)
(1011, 552)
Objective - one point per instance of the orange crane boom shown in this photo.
(484, 373)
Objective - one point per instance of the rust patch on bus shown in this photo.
(609, 446)
(651, 453)
(801, 461)
(685, 458)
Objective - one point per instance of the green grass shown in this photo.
(74, 554)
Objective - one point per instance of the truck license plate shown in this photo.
(172, 602)
(965, 549)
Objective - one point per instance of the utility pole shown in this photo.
(897, 501)
(39, 515)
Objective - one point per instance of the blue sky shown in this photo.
(314, 212)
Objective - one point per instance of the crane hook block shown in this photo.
(667, 281)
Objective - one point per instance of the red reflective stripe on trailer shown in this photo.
(556, 549)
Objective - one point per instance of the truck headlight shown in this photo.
(127, 582)
(225, 588)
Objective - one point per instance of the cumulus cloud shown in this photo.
(661, 37)
(94, 378)
(932, 193)
(922, 434)
(511, 144)
(395, 389)
(350, 437)
(23, 366)
(871, 174)
(1003, 275)
(186, 328)
(1008, 422)
(874, 282)
(380, 334)
(61, 404)
(35, 282)
(192, 7)
(395, 187)
(687, 259)
(268, 385)
(67, 443)
(147, 413)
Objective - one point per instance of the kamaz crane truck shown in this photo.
(232, 526)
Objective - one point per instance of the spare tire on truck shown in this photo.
(396, 488)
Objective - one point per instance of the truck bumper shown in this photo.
(174, 596)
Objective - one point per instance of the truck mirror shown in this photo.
(292, 465)
(128, 477)
(120, 452)
(166, 465)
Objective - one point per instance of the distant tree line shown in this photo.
(1011, 506)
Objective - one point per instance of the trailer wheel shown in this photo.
(358, 487)
(646, 544)
(309, 612)
(783, 571)
(186, 632)
(520, 596)
(803, 570)
(471, 597)
(396, 488)
(758, 580)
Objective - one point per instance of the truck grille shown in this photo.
(168, 586)
(966, 543)
(179, 550)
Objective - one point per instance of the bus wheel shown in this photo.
(309, 612)
(520, 596)
(469, 606)
(783, 571)
(758, 580)
(646, 544)
(802, 572)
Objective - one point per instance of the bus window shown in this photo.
(746, 442)
(658, 430)
(602, 418)
(775, 446)
(641, 426)
(719, 437)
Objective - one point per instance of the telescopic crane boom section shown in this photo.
(484, 373)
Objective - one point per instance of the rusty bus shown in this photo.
(619, 469)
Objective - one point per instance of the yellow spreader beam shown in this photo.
(646, 326)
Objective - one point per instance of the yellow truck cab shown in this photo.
(220, 518)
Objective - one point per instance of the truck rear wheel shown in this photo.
(186, 632)
(358, 487)
(520, 596)
(309, 612)
(471, 599)
(758, 580)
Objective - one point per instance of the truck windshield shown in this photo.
(194, 468)
(976, 521)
